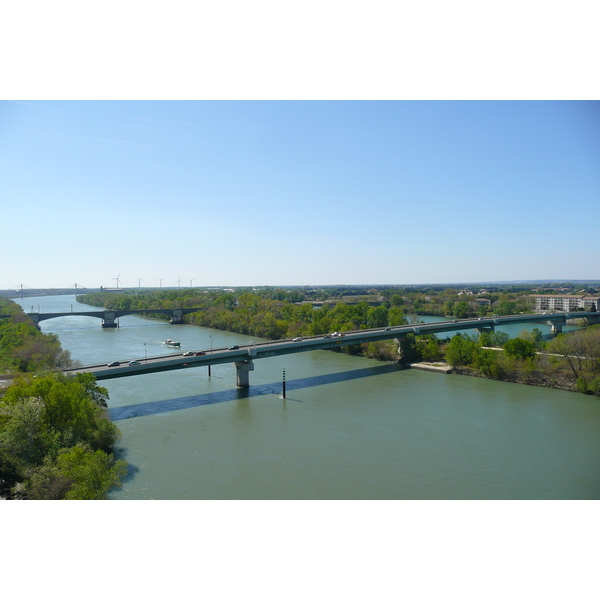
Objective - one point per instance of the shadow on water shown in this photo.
(163, 406)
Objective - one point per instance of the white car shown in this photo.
(297, 339)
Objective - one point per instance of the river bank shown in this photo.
(531, 379)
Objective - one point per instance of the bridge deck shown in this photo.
(276, 348)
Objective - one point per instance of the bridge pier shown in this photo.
(556, 326)
(109, 319)
(243, 369)
(176, 318)
(487, 329)
(403, 347)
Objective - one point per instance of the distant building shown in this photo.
(565, 302)
(483, 301)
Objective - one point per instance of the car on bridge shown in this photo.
(234, 348)
(115, 363)
(297, 339)
(200, 354)
(188, 353)
(134, 363)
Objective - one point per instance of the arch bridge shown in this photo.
(109, 317)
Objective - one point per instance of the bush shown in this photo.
(581, 385)
(486, 361)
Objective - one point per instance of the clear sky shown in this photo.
(297, 192)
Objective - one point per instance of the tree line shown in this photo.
(56, 439)
(568, 361)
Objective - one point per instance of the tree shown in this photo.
(397, 300)
(581, 350)
(535, 337)
(506, 308)
(377, 317)
(486, 361)
(429, 348)
(396, 316)
(42, 422)
(461, 309)
(519, 348)
(93, 473)
(460, 350)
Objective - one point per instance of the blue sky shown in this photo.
(297, 192)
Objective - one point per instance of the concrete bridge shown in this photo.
(109, 317)
(243, 357)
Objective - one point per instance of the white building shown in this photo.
(565, 302)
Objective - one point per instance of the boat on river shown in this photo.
(172, 344)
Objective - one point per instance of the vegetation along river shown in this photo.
(350, 428)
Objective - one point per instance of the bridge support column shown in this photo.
(403, 347)
(176, 318)
(243, 369)
(556, 326)
(109, 319)
(486, 329)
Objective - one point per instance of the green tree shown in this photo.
(461, 309)
(519, 348)
(486, 361)
(429, 348)
(396, 316)
(461, 350)
(397, 300)
(92, 474)
(506, 308)
(377, 317)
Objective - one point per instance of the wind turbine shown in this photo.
(118, 280)
(179, 282)
(191, 282)
(139, 282)
(160, 281)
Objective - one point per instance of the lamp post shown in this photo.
(210, 336)
(146, 352)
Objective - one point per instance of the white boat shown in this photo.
(172, 343)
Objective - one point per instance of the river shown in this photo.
(350, 427)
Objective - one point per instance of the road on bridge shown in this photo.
(251, 351)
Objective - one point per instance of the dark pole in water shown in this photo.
(284, 384)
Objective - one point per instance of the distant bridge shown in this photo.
(109, 317)
(244, 356)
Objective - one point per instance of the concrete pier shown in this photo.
(109, 319)
(176, 318)
(402, 346)
(556, 326)
(243, 369)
